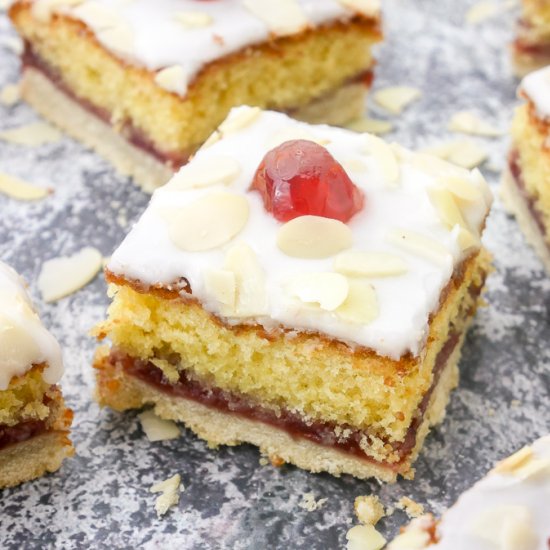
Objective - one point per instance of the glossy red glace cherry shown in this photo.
(300, 177)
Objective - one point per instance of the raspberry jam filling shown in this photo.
(9, 435)
(300, 177)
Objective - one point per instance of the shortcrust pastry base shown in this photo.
(515, 203)
(525, 63)
(337, 108)
(121, 391)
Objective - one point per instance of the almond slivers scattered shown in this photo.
(313, 237)
(208, 222)
(384, 156)
(33, 134)
(419, 245)
(510, 464)
(361, 305)
(238, 120)
(21, 190)
(396, 98)
(203, 172)
(355, 263)
(62, 276)
(328, 290)
(158, 429)
(465, 153)
(467, 122)
(172, 79)
(446, 207)
(371, 126)
(222, 285)
(193, 19)
(364, 537)
(170, 489)
(283, 17)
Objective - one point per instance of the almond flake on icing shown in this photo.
(361, 304)
(33, 134)
(203, 172)
(239, 119)
(467, 240)
(370, 126)
(222, 285)
(97, 15)
(467, 122)
(158, 429)
(21, 190)
(170, 489)
(364, 537)
(10, 94)
(396, 98)
(313, 237)
(120, 39)
(193, 19)
(355, 263)
(384, 156)
(468, 154)
(369, 8)
(251, 298)
(291, 133)
(42, 10)
(283, 17)
(461, 188)
(328, 290)
(62, 276)
(533, 468)
(215, 136)
(173, 79)
(354, 165)
(208, 222)
(513, 462)
(443, 201)
(420, 245)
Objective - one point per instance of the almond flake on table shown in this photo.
(467, 122)
(465, 153)
(10, 95)
(33, 134)
(170, 489)
(62, 276)
(21, 190)
(158, 429)
(396, 98)
(370, 125)
(364, 537)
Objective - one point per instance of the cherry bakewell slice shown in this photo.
(300, 177)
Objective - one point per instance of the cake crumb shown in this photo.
(410, 507)
(264, 461)
(369, 509)
(10, 94)
(158, 429)
(310, 504)
(170, 489)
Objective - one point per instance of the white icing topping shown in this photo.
(155, 37)
(24, 341)
(518, 502)
(536, 86)
(404, 301)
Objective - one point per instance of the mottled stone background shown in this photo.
(100, 498)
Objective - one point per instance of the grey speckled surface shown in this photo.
(100, 498)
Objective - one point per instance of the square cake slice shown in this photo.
(508, 509)
(34, 422)
(526, 181)
(145, 83)
(531, 49)
(302, 288)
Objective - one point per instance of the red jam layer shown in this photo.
(10, 435)
(321, 433)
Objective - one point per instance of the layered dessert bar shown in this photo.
(145, 83)
(526, 181)
(302, 288)
(507, 509)
(34, 422)
(531, 49)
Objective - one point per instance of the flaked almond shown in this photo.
(290, 133)
(515, 461)
(461, 187)
(467, 240)
(251, 295)
(533, 468)
(10, 94)
(327, 290)
(313, 237)
(239, 119)
(203, 172)
(419, 245)
(355, 263)
(21, 190)
(283, 17)
(467, 122)
(364, 537)
(222, 285)
(208, 222)
(193, 19)
(172, 79)
(214, 137)
(467, 154)
(483, 186)
(62, 276)
(33, 134)
(396, 98)
(120, 39)
(361, 304)
(158, 429)
(447, 209)
(370, 125)
(384, 157)
(170, 489)
(370, 8)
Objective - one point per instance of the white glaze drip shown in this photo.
(536, 87)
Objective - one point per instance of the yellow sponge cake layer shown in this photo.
(532, 47)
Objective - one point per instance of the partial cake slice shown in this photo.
(145, 83)
(34, 422)
(509, 509)
(531, 49)
(526, 181)
(302, 288)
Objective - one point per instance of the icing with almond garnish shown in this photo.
(179, 37)
(372, 281)
(536, 86)
(24, 341)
